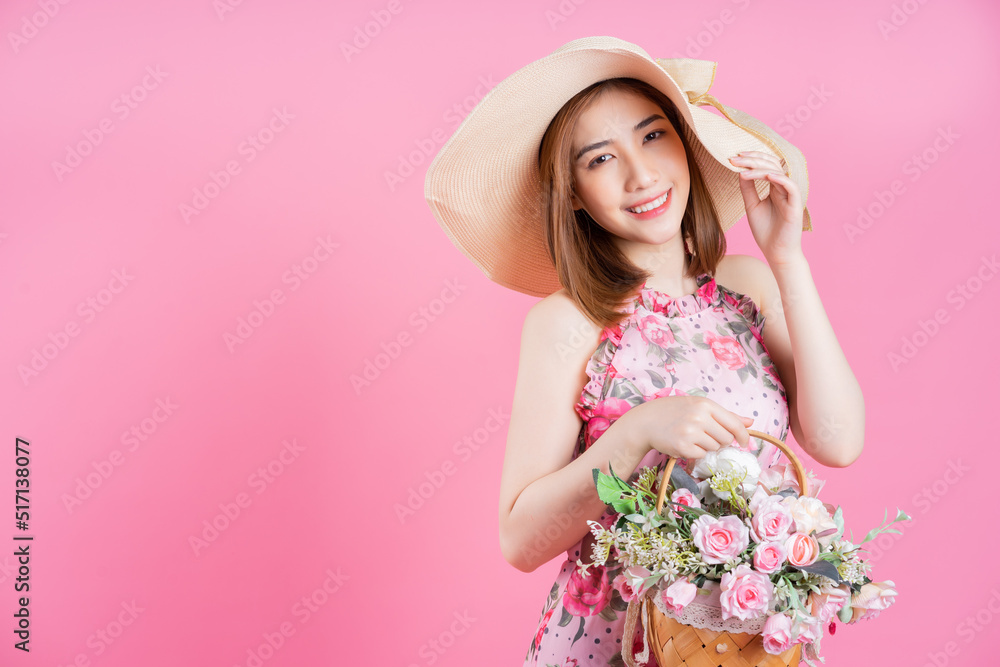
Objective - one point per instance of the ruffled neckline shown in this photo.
(706, 296)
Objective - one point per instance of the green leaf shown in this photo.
(823, 567)
(738, 328)
(579, 633)
(565, 618)
(610, 488)
(682, 480)
(900, 516)
(838, 519)
(656, 379)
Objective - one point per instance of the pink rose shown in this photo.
(744, 593)
(604, 414)
(541, 626)
(684, 497)
(777, 634)
(727, 350)
(586, 596)
(825, 605)
(630, 583)
(807, 630)
(654, 330)
(668, 391)
(719, 540)
(769, 557)
(873, 598)
(679, 595)
(802, 549)
(596, 428)
(771, 520)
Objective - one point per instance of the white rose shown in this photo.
(809, 514)
(729, 459)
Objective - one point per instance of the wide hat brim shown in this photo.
(483, 185)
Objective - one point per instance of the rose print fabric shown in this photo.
(704, 344)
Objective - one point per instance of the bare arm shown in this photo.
(546, 496)
(827, 409)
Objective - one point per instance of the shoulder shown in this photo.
(745, 274)
(557, 325)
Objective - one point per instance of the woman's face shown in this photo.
(626, 155)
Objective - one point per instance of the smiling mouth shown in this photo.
(649, 206)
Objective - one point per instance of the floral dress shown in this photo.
(704, 344)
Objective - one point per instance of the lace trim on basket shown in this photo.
(709, 617)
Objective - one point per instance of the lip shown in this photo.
(654, 212)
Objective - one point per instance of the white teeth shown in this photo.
(651, 205)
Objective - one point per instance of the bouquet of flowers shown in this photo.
(778, 555)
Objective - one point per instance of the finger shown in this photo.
(761, 172)
(761, 155)
(749, 190)
(717, 436)
(734, 426)
(756, 159)
(787, 188)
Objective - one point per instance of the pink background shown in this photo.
(329, 505)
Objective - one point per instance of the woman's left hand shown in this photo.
(776, 222)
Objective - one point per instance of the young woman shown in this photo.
(655, 344)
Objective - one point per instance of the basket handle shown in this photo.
(800, 471)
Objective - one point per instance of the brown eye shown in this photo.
(594, 162)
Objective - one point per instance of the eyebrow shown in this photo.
(641, 124)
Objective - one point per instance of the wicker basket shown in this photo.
(675, 644)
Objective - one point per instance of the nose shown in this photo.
(641, 173)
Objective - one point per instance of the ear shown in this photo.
(577, 204)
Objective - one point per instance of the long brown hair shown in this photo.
(595, 273)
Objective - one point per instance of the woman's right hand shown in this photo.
(687, 427)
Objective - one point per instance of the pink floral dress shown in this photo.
(704, 344)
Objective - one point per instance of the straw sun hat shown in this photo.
(483, 185)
